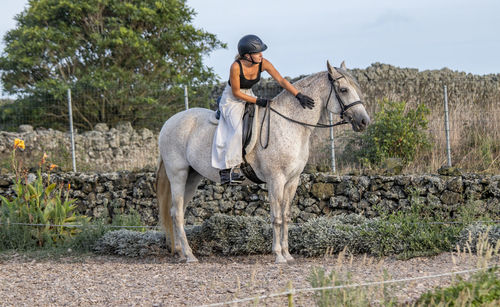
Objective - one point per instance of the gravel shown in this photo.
(162, 281)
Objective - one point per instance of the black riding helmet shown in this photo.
(250, 44)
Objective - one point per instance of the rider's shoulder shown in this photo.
(235, 67)
(266, 64)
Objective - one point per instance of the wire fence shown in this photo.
(473, 134)
(191, 226)
(146, 107)
(291, 292)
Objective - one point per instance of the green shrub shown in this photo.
(406, 234)
(410, 233)
(397, 132)
(481, 289)
(322, 235)
(130, 243)
(477, 233)
(93, 231)
(233, 235)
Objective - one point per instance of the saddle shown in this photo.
(248, 138)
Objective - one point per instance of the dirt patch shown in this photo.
(162, 281)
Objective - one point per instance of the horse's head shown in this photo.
(346, 96)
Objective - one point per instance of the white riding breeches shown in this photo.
(227, 144)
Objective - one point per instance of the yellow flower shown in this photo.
(69, 186)
(52, 166)
(18, 144)
(44, 157)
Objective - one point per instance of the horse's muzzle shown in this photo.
(359, 121)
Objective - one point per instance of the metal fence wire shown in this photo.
(472, 131)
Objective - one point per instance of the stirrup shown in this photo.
(236, 176)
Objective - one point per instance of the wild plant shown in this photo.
(41, 212)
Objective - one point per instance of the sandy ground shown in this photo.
(162, 281)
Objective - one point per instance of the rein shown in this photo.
(343, 107)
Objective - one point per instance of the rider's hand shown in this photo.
(305, 101)
(262, 102)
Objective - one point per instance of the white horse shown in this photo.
(185, 144)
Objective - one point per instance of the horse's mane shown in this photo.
(302, 84)
(307, 82)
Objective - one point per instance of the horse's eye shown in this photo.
(343, 90)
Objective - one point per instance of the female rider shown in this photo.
(244, 73)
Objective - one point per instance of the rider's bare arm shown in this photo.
(267, 66)
(234, 77)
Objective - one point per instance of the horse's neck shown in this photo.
(314, 86)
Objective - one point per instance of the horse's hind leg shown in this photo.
(192, 183)
(178, 184)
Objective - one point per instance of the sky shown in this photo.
(301, 36)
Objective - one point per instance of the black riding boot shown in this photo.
(225, 176)
(232, 176)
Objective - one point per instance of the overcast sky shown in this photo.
(462, 35)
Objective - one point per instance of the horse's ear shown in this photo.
(330, 68)
(333, 72)
(343, 65)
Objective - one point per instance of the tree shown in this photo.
(122, 59)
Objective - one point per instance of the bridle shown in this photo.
(343, 108)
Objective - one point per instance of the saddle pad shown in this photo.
(213, 119)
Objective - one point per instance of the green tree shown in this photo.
(123, 59)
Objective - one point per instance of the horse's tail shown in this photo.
(164, 197)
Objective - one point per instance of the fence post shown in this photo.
(447, 126)
(290, 295)
(70, 114)
(186, 100)
(332, 143)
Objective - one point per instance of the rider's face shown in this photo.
(257, 57)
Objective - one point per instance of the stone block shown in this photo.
(322, 190)
(451, 198)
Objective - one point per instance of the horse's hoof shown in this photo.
(288, 257)
(191, 260)
(280, 259)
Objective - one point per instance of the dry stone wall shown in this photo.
(102, 149)
(319, 194)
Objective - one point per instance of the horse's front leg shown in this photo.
(288, 195)
(275, 191)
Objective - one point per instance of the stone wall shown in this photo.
(102, 149)
(318, 194)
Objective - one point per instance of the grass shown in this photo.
(21, 238)
(480, 289)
